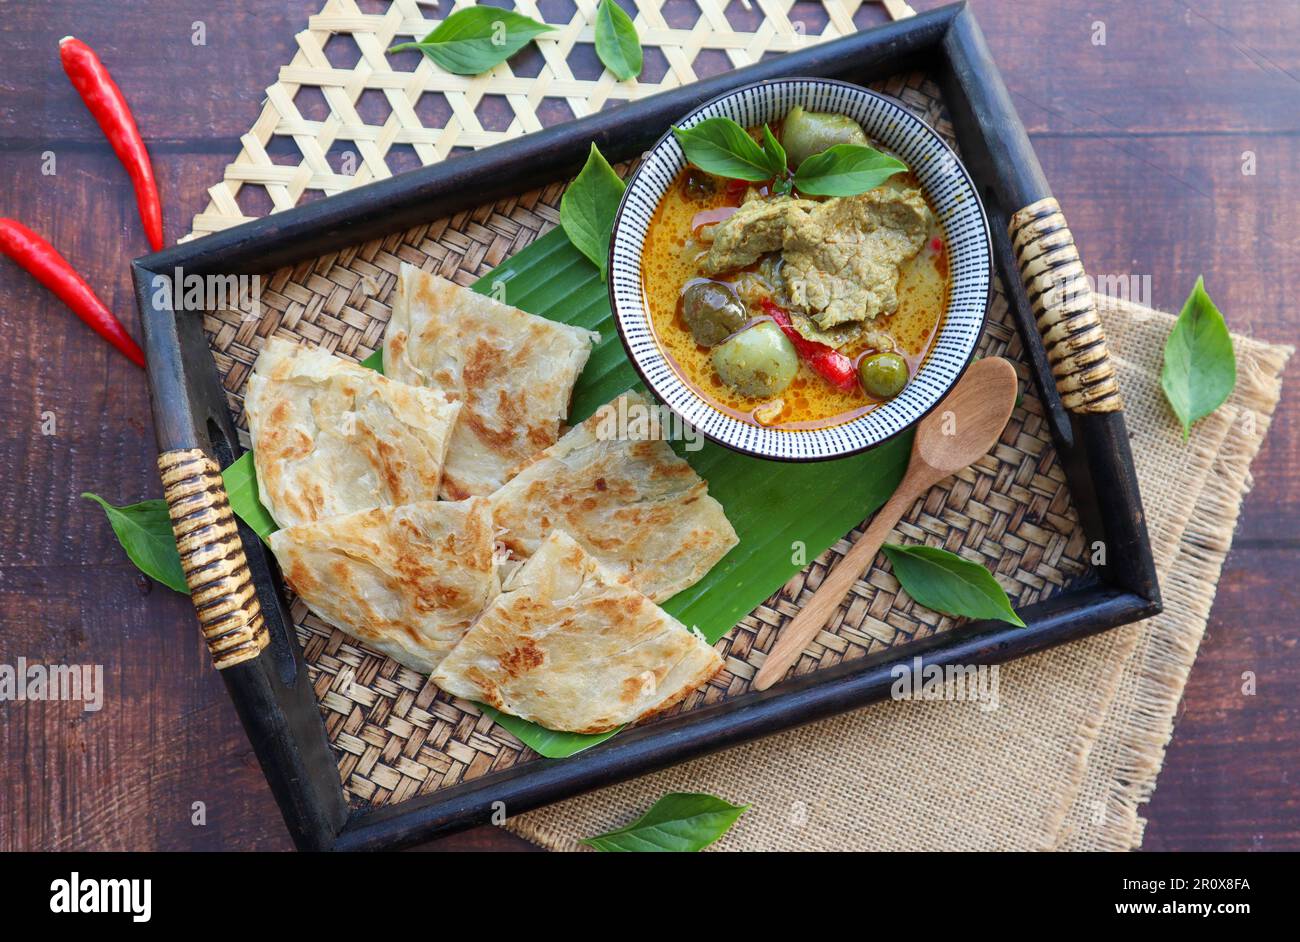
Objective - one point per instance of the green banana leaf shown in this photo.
(785, 514)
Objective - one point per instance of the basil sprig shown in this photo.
(846, 170)
(945, 582)
(677, 822)
(477, 39)
(617, 44)
(721, 146)
(588, 207)
(1200, 368)
(145, 532)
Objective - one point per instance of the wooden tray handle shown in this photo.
(212, 557)
(1063, 303)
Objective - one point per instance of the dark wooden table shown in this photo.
(1143, 138)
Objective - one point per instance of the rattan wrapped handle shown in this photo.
(1064, 306)
(212, 557)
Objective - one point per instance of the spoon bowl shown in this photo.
(969, 420)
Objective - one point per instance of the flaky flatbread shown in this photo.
(513, 371)
(632, 503)
(407, 581)
(331, 437)
(567, 646)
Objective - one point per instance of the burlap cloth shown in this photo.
(1079, 736)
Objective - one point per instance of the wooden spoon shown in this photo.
(964, 426)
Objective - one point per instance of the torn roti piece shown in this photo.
(625, 496)
(514, 372)
(331, 437)
(407, 581)
(565, 645)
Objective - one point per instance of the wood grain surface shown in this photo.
(1142, 138)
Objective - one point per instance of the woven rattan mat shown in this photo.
(394, 734)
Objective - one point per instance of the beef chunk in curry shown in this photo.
(842, 259)
(756, 228)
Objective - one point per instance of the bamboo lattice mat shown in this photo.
(396, 736)
(343, 113)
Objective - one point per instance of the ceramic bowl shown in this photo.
(951, 193)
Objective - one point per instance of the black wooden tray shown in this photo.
(240, 599)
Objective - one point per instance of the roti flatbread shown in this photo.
(565, 645)
(632, 503)
(513, 371)
(331, 437)
(407, 581)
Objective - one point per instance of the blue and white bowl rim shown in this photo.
(966, 232)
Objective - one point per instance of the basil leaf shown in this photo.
(477, 39)
(775, 153)
(721, 146)
(846, 170)
(945, 582)
(145, 532)
(677, 822)
(617, 44)
(1200, 368)
(240, 479)
(588, 207)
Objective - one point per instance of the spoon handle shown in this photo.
(804, 626)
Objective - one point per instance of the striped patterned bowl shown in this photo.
(950, 191)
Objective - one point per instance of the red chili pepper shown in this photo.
(736, 188)
(110, 110)
(51, 269)
(826, 361)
